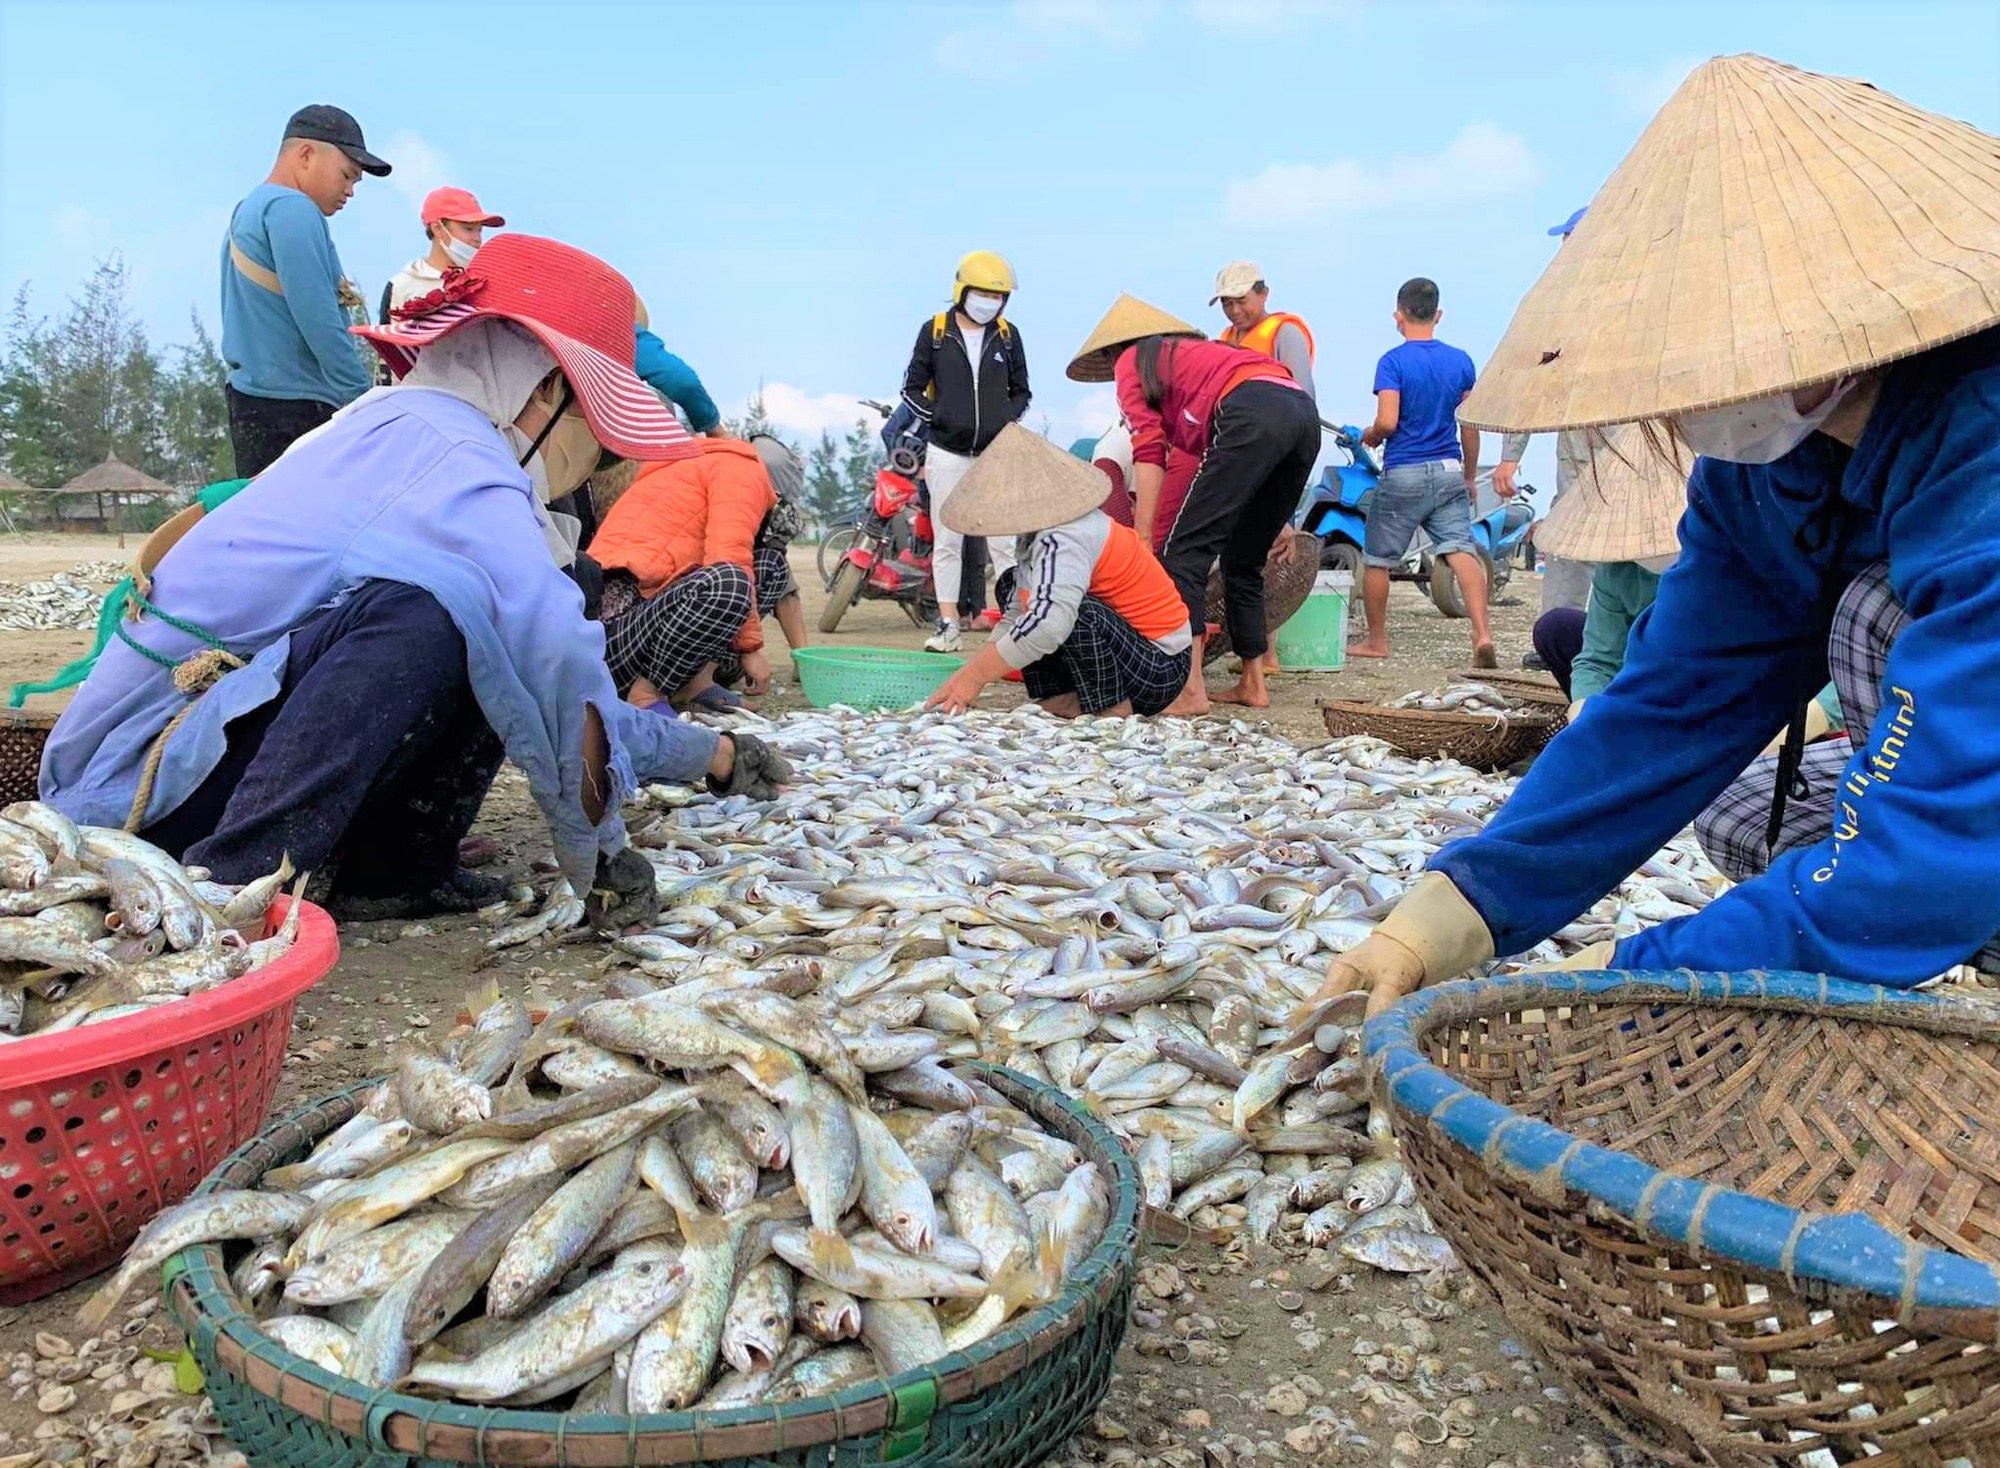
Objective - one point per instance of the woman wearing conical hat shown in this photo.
(1097, 626)
(1255, 432)
(1799, 276)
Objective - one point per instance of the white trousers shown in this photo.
(942, 472)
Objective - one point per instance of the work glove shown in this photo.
(624, 892)
(1432, 935)
(759, 771)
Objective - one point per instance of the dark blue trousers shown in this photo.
(1558, 639)
(373, 757)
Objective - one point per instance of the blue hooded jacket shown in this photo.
(1908, 884)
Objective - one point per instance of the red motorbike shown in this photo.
(873, 567)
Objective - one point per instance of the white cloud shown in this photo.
(418, 167)
(1482, 161)
(1644, 89)
(1085, 417)
(1032, 32)
(809, 414)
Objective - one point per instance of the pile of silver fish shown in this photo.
(1461, 698)
(96, 924)
(1129, 910)
(65, 601)
(712, 1193)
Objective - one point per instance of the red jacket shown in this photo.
(689, 513)
(1195, 375)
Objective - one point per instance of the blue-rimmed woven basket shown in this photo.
(1754, 1217)
(1007, 1402)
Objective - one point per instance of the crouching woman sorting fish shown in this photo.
(333, 664)
(1097, 626)
(1845, 512)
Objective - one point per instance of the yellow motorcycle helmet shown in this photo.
(982, 270)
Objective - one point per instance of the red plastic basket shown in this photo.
(103, 1126)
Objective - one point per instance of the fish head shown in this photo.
(910, 1232)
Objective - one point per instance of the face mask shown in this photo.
(1760, 432)
(982, 307)
(461, 253)
(563, 454)
(1658, 564)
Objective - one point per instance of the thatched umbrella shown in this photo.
(118, 479)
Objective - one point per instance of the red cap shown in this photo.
(458, 205)
(577, 306)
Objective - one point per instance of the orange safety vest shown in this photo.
(1260, 337)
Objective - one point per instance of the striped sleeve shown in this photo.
(1055, 578)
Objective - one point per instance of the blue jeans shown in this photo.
(1432, 496)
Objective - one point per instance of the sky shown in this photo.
(789, 185)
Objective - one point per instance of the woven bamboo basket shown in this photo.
(22, 735)
(1484, 741)
(1286, 587)
(1007, 1402)
(1753, 1217)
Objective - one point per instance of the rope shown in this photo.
(194, 675)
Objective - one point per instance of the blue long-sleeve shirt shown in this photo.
(1908, 884)
(291, 343)
(415, 487)
(675, 381)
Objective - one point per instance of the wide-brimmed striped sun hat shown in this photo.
(1771, 229)
(574, 304)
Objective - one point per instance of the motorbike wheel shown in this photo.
(847, 584)
(833, 552)
(1343, 555)
(1444, 585)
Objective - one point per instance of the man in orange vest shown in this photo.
(1242, 294)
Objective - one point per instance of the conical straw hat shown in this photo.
(1022, 483)
(1772, 228)
(1626, 503)
(1129, 320)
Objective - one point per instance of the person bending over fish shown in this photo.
(1844, 512)
(694, 557)
(1097, 626)
(334, 664)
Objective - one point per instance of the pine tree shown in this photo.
(861, 458)
(827, 499)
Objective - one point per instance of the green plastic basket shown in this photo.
(1008, 1402)
(1314, 638)
(871, 677)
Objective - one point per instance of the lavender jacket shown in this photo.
(415, 487)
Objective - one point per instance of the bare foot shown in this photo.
(1192, 701)
(1271, 664)
(1255, 698)
(1483, 656)
(1367, 650)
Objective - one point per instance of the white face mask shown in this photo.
(1760, 432)
(461, 253)
(982, 307)
(1658, 564)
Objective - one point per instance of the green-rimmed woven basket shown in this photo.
(1007, 1402)
(870, 678)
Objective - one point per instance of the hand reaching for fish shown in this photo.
(1433, 934)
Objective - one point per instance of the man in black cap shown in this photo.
(284, 322)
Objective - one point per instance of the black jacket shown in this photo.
(939, 384)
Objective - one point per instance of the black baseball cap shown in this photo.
(323, 124)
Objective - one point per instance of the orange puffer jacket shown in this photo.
(689, 513)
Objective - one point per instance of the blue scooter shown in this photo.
(1336, 510)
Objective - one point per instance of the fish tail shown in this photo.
(1093, 1103)
(481, 996)
(701, 1230)
(774, 1069)
(97, 1309)
(831, 1253)
(1050, 1250)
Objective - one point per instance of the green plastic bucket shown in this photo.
(1314, 640)
(870, 678)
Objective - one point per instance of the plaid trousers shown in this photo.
(1104, 662)
(1866, 624)
(774, 583)
(668, 638)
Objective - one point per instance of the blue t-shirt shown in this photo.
(1433, 379)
